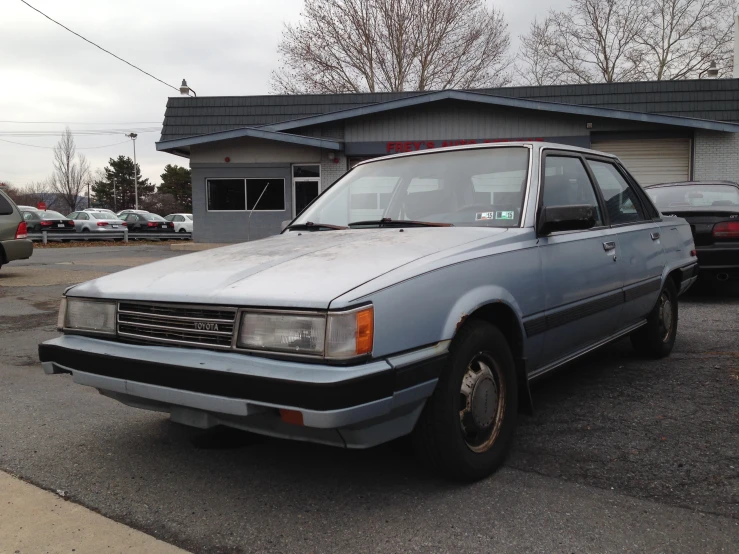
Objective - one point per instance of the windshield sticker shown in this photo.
(484, 215)
(504, 215)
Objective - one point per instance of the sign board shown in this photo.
(41, 205)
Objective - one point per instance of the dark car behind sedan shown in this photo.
(712, 209)
(148, 222)
(48, 220)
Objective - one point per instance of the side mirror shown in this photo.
(566, 218)
(285, 224)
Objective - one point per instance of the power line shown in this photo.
(52, 147)
(90, 133)
(98, 46)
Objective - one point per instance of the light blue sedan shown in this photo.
(419, 295)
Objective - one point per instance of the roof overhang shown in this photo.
(181, 147)
(505, 101)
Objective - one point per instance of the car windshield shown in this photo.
(103, 215)
(679, 196)
(52, 215)
(475, 187)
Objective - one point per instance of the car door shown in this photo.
(581, 277)
(82, 223)
(641, 254)
(134, 225)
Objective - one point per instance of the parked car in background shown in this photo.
(14, 243)
(182, 222)
(712, 209)
(486, 267)
(123, 213)
(28, 209)
(96, 222)
(48, 220)
(148, 222)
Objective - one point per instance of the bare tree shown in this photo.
(393, 45)
(71, 172)
(33, 193)
(682, 37)
(592, 41)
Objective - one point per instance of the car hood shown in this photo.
(306, 269)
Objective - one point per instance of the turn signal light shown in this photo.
(102, 223)
(365, 331)
(45, 223)
(726, 230)
(22, 231)
(152, 224)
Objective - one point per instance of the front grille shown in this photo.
(205, 326)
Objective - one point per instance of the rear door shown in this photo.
(581, 275)
(641, 257)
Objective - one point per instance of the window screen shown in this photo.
(621, 201)
(226, 195)
(273, 197)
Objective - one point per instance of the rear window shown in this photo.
(103, 215)
(51, 215)
(681, 196)
(6, 208)
(152, 217)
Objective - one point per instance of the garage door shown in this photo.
(651, 161)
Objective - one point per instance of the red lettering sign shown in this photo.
(41, 206)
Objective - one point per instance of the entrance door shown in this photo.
(306, 186)
(305, 193)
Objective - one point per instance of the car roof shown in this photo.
(698, 183)
(536, 145)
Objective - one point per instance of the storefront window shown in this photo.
(229, 195)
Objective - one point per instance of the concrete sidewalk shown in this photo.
(34, 521)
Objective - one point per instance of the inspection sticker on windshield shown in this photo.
(494, 215)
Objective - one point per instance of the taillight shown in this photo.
(102, 223)
(22, 231)
(171, 224)
(152, 224)
(45, 223)
(726, 230)
(124, 223)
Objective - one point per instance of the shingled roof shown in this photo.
(715, 100)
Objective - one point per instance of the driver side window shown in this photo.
(566, 183)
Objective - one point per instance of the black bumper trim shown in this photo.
(310, 396)
(688, 272)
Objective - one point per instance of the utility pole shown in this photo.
(133, 136)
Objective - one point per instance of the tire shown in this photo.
(182, 230)
(471, 447)
(656, 338)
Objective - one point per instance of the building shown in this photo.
(286, 149)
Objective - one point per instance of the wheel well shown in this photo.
(676, 277)
(504, 318)
(3, 257)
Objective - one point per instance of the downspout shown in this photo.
(736, 46)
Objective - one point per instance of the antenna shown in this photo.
(254, 207)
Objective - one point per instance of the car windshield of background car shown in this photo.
(475, 187)
(694, 196)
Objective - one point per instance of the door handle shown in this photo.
(655, 236)
(608, 246)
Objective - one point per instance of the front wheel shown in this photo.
(466, 428)
(657, 337)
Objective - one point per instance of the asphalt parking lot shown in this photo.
(622, 455)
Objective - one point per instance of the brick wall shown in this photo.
(716, 156)
(330, 170)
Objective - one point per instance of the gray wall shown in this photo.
(716, 156)
(221, 227)
(456, 120)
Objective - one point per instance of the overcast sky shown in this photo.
(222, 47)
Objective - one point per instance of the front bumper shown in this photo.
(356, 406)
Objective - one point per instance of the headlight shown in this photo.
(341, 335)
(88, 315)
(297, 334)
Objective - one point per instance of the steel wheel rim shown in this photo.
(665, 316)
(482, 402)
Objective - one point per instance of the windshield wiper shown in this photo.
(310, 226)
(387, 222)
